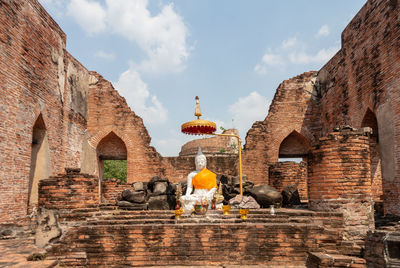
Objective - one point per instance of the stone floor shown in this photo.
(15, 252)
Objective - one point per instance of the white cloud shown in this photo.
(162, 37)
(247, 110)
(321, 56)
(89, 15)
(291, 42)
(272, 59)
(104, 55)
(131, 86)
(323, 31)
(260, 69)
(269, 60)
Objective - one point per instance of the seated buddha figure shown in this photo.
(204, 183)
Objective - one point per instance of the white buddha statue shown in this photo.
(204, 183)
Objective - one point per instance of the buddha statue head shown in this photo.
(200, 160)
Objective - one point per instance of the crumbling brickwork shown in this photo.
(339, 180)
(129, 238)
(286, 173)
(361, 81)
(69, 191)
(50, 118)
(112, 189)
(34, 85)
(109, 112)
(293, 110)
(375, 249)
(56, 114)
(365, 75)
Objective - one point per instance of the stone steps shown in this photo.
(107, 236)
(168, 216)
(236, 220)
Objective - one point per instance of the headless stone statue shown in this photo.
(204, 183)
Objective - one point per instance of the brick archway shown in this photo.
(294, 145)
(94, 140)
(109, 146)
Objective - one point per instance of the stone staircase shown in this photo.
(107, 236)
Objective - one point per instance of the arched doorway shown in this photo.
(112, 156)
(370, 120)
(292, 165)
(293, 146)
(40, 160)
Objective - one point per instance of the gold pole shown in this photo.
(240, 156)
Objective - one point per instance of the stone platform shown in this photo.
(107, 236)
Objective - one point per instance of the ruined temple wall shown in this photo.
(77, 79)
(33, 83)
(365, 74)
(69, 191)
(109, 112)
(282, 174)
(294, 108)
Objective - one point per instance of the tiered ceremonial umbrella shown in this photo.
(205, 127)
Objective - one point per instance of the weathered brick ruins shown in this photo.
(343, 121)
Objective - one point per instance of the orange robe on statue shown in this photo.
(205, 179)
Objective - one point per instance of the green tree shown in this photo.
(115, 169)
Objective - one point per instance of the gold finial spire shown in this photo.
(197, 111)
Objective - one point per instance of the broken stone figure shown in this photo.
(204, 183)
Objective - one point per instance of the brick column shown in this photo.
(339, 180)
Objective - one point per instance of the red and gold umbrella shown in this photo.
(205, 127)
(198, 126)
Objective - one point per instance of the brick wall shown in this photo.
(285, 173)
(294, 109)
(79, 108)
(33, 82)
(364, 77)
(376, 170)
(339, 180)
(109, 112)
(374, 249)
(360, 80)
(142, 239)
(218, 145)
(112, 188)
(69, 192)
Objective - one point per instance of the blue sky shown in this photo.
(233, 54)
